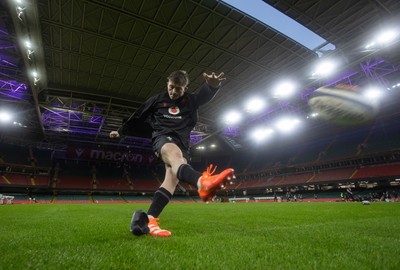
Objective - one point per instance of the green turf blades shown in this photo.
(139, 223)
(309, 236)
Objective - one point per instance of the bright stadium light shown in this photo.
(5, 117)
(261, 133)
(373, 93)
(284, 89)
(396, 85)
(312, 115)
(383, 38)
(28, 44)
(324, 68)
(232, 117)
(370, 45)
(254, 105)
(287, 125)
(387, 36)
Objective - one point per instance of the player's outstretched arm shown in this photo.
(214, 80)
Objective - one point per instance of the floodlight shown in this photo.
(312, 115)
(395, 85)
(261, 133)
(28, 44)
(232, 117)
(5, 117)
(373, 93)
(370, 45)
(287, 125)
(255, 105)
(284, 89)
(383, 38)
(325, 68)
(387, 36)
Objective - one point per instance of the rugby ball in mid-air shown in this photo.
(343, 106)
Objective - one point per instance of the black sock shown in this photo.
(160, 200)
(187, 174)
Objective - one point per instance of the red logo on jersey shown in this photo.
(174, 110)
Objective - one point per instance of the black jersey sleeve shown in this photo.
(138, 124)
(205, 93)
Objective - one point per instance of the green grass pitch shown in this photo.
(205, 236)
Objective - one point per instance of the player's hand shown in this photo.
(114, 134)
(214, 80)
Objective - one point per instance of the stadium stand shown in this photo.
(43, 157)
(377, 171)
(343, 147)
(382, 137)
(332, 175)
(146, 184)
(311, 152)
(354, 157)
(21, 179)
(113, 184)
(74, 182)
(14, 154)
(294, 179)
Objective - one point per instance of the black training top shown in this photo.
(162, 115)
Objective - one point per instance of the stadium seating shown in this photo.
(14, 154)
(335, 158)
(295, 179)
(21, 179)
(377, 170)
(332, 175)
(383, 137)
(342, 147)
(112, 184)
(311, 152)
(75, 182)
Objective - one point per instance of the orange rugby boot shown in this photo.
(210, 184)
(155, 229)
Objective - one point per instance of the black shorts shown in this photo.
(159, 141)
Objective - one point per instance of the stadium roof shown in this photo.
(72, 71)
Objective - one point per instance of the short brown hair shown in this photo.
(179, 77)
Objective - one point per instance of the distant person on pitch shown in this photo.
(172, 115)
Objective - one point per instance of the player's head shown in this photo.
(177, 84)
